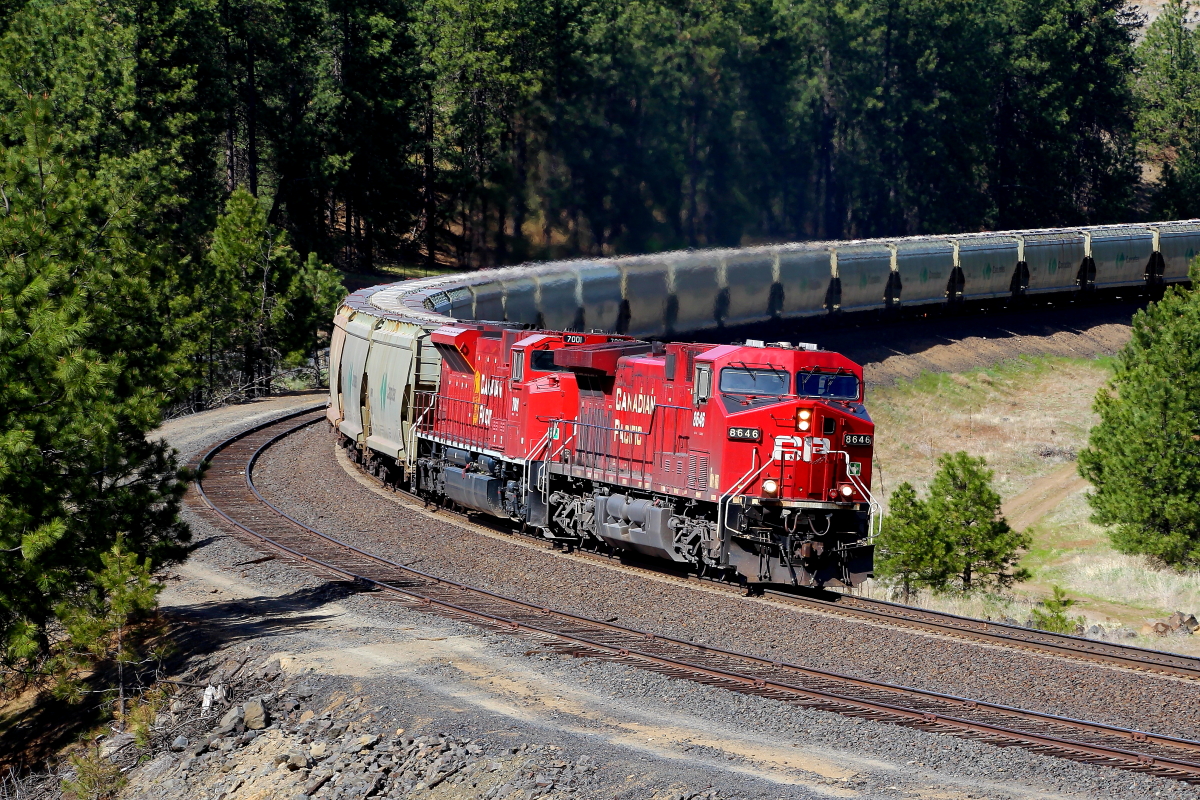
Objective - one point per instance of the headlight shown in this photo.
(847, 491)
(770, 487)
(803, 425)
(803, 413)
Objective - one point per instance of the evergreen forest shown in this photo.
(184, 185)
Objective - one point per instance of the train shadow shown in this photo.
(199, 628)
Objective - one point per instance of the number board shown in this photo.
(859, 440)
(571, 338)
(745, 434)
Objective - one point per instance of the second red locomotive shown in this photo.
(747, 460)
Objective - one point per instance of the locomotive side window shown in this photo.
(518, 365)
(703, 383)
(543, 361)
(818, 384)
(669, 367)
(739, 380)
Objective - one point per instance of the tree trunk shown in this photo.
(368, 245)
(231, 152)
(693, 173)
(251, 120)
(230, 134)
(830, 225)
(430, 202)
(518, 205)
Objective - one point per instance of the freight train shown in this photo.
(544, 394)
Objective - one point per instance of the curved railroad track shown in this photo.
(227, 489)
(1077, 647)
(892, 614)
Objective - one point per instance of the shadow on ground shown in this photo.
(38, 731)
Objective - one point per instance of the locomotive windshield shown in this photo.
(744, 380)
(821, 384)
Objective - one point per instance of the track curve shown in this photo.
(227, 489)
(852, 606)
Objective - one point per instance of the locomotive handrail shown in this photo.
(873, 504)
(743, 482)
(528, 457)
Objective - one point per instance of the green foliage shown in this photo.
(1168, 80)
(262, 305)
(1143, 458)
(1168, 93)
(95, 777)
(97, 624)
(81, 363)
(1052, 616)
(911, 549)
(486, 131)
(954, 539)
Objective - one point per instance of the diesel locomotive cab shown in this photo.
(796, 507)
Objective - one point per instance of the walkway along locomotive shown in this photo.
(749, 460)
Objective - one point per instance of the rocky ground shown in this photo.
(291, 735)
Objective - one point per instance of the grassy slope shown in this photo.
(1028, 417)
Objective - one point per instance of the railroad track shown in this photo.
(1077, 647)
(892, 614)
(228, 490)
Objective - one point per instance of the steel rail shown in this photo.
(1140, 659)
(954, 626)
(1065, 737)
(1112, 653)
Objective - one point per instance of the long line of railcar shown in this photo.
(385, 365)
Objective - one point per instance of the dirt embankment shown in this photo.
(900, 351)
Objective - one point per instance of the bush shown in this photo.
(1052, 616)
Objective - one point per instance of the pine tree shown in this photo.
(264, 306)
(77, 470)
(1143, 458)
(911, 548)
(956, 538)
(1052, 616)
(983, 548)
(1168, 81)
(98, 624)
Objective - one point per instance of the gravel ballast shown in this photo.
(638, 734)
(302, 476)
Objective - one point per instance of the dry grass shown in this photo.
(1027, 417)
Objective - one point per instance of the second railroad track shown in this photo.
(228, 490)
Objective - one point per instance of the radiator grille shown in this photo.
(697, 478)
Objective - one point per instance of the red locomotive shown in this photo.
(750, 460)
